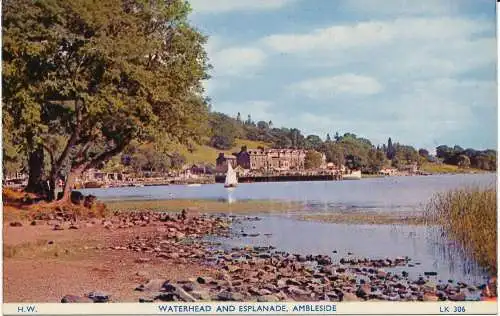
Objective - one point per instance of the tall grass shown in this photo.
(469, 216)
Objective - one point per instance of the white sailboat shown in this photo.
(231, 177)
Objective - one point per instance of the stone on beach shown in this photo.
(98, 297)
(75, 299)
(229, 296)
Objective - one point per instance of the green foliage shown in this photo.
(313, 159)
(101, 74)
(224, 131)
(463, 161)
(423, 153)
(376, 160)
(334, 153)
(313, 142)
(391, 152)
(14, 157)
(485, 160)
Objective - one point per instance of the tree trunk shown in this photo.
(35, 180)
(52, 189)
(73, 174)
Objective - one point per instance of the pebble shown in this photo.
(262, 274)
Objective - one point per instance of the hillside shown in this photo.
(208, 154)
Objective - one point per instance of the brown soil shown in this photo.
(36, 271)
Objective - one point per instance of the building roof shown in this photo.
(274, 150)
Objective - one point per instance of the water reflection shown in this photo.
(230, 198)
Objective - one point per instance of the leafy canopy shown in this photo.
(101, 73)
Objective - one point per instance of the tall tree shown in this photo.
(313, 159)
(314, 141)
(101, 74)
(337, 137)
(391, 151)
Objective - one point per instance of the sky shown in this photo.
(421, 72)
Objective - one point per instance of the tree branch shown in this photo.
(50, 152)
(74, 136)
(104, 156)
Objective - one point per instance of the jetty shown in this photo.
(282, 178)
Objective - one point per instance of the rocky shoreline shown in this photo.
(262, 274)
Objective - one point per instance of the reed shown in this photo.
(469, 216)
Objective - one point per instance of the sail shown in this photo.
(231, 178)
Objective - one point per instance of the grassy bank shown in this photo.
(469, 216)
(442, 168)
(368, 217)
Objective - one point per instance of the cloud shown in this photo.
(237, 61)
(330, 87)
(224, 6)
(404, 46)
(425, 112)
(414, 71)
(375, 33)
(402, 7)
(476, 94)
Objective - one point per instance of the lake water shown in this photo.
(390, 193)
(422, 244)
(427, 251)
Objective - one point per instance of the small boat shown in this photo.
(194, 185)
(231, 177)
(354, 175)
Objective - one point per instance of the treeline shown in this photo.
(485, 159)
(348, 149)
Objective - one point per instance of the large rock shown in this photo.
(89, 201)
(294, 290)
(75, 299)
(350, 297)
(457, 297)
(429, 297)
(154, 285)
(76, 197)
(268, 298)
(182, 294)
(201, 295)
(229, 296)
(98, 297)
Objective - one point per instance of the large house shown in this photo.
(264, 159)
(223, 160)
